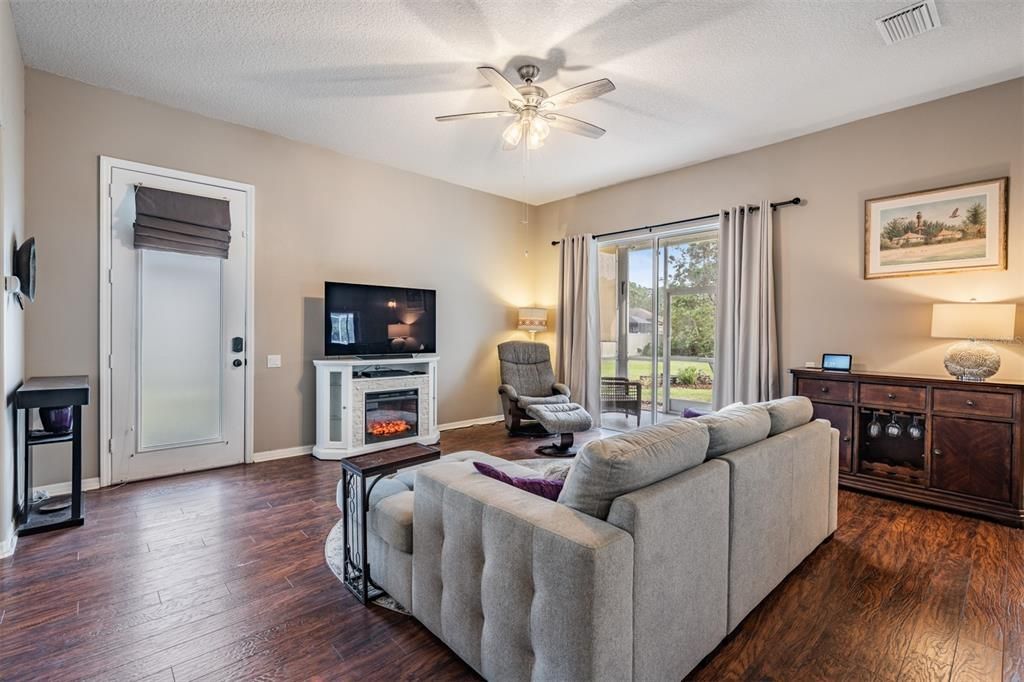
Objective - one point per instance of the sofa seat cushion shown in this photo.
(610, 467)
(735, 427)
(391, 520)
(789, 413)
(528, 400)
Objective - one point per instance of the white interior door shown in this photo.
(177, 342)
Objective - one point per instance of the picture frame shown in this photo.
(960, 228)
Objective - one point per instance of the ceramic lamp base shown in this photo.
(972, 360)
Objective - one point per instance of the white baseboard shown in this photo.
(470, 422)
(64, 488)
(7, 547)
(268, 455)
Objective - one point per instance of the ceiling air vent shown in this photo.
(909, 22)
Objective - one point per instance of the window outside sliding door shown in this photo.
(657, 306)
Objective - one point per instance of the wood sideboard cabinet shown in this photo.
(931, 440)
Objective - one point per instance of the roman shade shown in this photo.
(183, 223)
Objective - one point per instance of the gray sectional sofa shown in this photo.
(662, 541)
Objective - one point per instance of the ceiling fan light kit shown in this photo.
(533, 110)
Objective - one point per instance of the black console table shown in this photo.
(39, 392)
(355, 503)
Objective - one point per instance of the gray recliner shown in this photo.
(527, 379)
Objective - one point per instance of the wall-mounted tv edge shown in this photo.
(366, 320)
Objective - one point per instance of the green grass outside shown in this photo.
(643, 367)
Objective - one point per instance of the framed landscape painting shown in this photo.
(951, 229)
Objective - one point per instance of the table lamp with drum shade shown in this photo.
(533, 320)
(973, 359)
(399, 333)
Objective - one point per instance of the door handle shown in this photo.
(937, 452)
(236, 363)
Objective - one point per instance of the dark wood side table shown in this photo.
(70, 391)
(355, 500)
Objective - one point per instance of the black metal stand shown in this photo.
(355, 498)
(563, 448)
(50, 392)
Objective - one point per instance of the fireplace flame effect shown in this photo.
(388, 427)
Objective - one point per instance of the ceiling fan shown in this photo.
(534, 110)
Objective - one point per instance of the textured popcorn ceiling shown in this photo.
(696, 79)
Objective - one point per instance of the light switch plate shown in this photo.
(273, 361)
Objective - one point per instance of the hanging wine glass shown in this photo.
(915, 430)
(894, 429)
(875, 427)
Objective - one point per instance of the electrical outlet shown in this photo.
(273, 361)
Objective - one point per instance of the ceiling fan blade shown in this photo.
(475, 114)
(574, 125)
(502, 84)
(571, 96)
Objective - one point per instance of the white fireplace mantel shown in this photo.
(340, 402)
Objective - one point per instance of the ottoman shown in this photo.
(389, 523)
(565, 419)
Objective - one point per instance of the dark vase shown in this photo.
(56, 419)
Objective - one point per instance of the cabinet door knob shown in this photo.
(824, 389)
(937, 452)
(846, 439)
(892, 396)
(970, 403)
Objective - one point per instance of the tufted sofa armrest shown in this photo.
(518, 586)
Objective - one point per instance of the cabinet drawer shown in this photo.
(825, 389)
(900, 397)
(973, 402)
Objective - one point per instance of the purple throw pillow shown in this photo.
(546, 488)
(691, 413)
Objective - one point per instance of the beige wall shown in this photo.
(824, 302)
(319, 216)
(12, 184)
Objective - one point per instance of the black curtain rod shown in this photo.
(795, 201)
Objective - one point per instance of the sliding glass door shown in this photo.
(657, 305)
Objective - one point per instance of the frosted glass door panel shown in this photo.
(180, 350)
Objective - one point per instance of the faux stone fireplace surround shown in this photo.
(360, 387)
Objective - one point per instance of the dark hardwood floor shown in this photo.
(220, 575)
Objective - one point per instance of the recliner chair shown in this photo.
(527, 378)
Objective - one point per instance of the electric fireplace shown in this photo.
(391, 415)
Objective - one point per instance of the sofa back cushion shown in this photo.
(735, 427)
(610, 467)
(789, 413)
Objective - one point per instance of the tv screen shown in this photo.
(361, 319)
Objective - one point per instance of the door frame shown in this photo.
(107, 166)
(659, 342)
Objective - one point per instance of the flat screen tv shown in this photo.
(362, 319)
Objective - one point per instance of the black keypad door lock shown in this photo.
(237, 344)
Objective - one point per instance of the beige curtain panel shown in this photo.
(746, 337)
(183, 223)
(578, 331)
